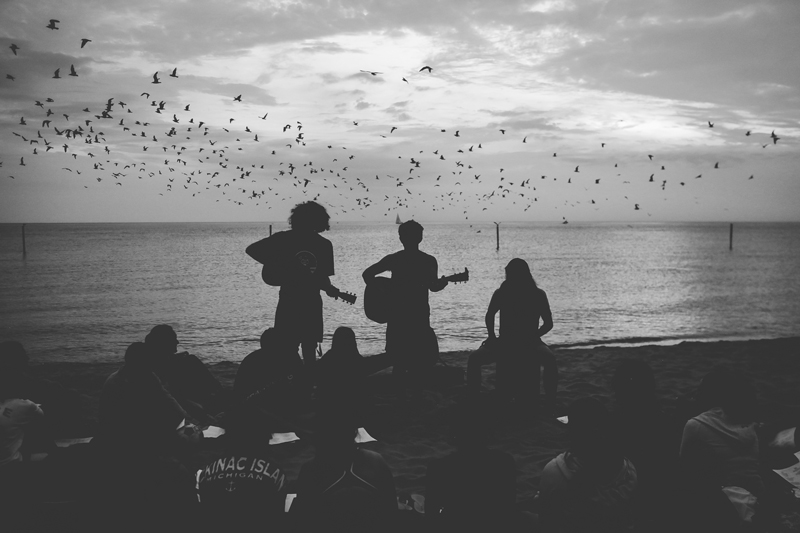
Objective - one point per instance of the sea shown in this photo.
(84, 292)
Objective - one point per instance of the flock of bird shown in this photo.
(155, 139)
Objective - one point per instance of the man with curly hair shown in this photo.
(300, 262)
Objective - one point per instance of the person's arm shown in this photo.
(436, 284)
(547, 316)
(258, 251)
(378, 268)
(494, 307)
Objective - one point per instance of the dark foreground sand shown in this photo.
(413, 431)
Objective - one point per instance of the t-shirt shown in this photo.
(724, 451)
(580, 504)
(242, 490)
(269, 376)
(413, 272)
(15, 415)
(295, 255)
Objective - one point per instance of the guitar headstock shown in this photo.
(461, 277)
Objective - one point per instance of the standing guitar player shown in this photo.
(300, 261)
(409, 338)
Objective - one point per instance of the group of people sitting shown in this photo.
(631, 468)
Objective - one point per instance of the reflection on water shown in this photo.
(87, 290)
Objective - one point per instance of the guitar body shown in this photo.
(378, 299)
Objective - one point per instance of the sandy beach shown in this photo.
(413, 431)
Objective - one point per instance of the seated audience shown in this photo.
(473, 488)
(345, 487)
(591, 486)
(243, 489)
(650, 439)
(143, 447)
(271, 383)
(184, 375)
(719, 455)
(340, 377)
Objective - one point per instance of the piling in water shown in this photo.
(730, 239)
(24, 251)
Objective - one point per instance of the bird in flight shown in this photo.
(710, 124)
(371, 72)
(155, 78)
(84, 41)
(53, 23)
(237, 98)
(426, 67)
(174, 73)
(14, 48)
(72, 71)
(55, 75)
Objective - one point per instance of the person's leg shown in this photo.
(309, 350)
(547, 360)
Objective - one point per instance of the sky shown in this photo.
(530, 110)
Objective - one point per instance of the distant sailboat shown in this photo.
(397, 220)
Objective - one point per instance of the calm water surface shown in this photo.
(85, 291)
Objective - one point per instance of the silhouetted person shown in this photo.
(650, 439)
(522, 353)
(56, 401)
(341, 378)
(345, 487)
(473, 488)
(186, 377)
(243, 488)
(271, 386)
(143, 444)
(300, 261)
(591, 487)
(409, 337)
(18, 416)
(720, 448)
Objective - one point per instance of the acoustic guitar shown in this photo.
(379, 295)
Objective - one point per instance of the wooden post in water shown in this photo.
(497, 227)
(730, 239)
(270, 230)
(24, 251)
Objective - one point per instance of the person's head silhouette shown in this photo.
(410, 233)
(162, 339)
(309, 216)
(344, 339)
(518, 271)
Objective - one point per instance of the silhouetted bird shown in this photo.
(53, 23)
(84, 41)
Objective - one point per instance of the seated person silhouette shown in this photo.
(271, 384)
(345, 487)
(144, 441)
(473, 488)
(341, 383)
(520, 352)
(18, 416)
(650, 439)
(720, 448)
(54, 399)
(409, 338)
(184, 375)
(590, 487)
(243, 488)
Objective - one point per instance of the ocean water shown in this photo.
(85, 291)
